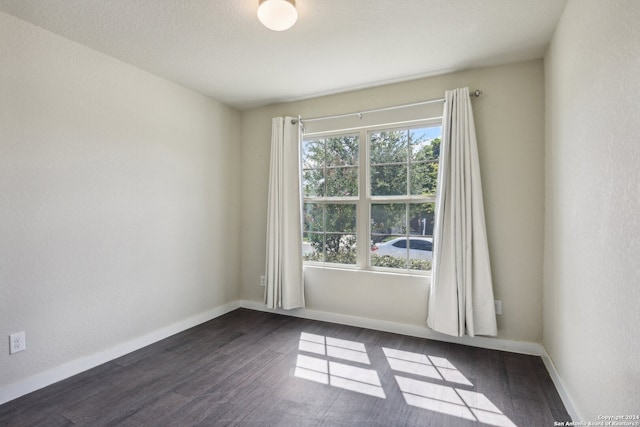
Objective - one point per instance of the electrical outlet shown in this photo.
(263, 281)
(498, 305)
(17, 342)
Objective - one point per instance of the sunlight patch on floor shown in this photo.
(440, 386)
(446, 399)
(333, 347)
(339, 375)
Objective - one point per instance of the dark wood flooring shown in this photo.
(250, 368)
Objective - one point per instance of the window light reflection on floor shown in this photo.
(433, 396)
(412, 363)
(339, 375)
(448, 371)
(458, 402)
(334, 347)
(484, 410)
(313, 369)
(427, 366)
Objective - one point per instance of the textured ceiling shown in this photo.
(218, 47)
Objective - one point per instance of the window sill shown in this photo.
(371, 270)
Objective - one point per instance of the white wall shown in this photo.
(592, 244)
(510, 127)
(118, 201)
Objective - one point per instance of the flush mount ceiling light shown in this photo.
(277, 15)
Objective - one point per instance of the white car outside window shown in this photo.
(419, 248)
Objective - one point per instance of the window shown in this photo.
(369, 197)
(330, 189)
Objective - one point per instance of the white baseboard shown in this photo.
(562, 391)
(523, 347)
(66, 370)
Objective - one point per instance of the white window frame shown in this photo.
(365, 200)
(330, 200)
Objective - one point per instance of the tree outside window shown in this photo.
(396, 197)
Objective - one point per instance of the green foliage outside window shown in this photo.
(402, 163)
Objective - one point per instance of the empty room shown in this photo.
(320, 213)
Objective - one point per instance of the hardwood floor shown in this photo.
(249, 368)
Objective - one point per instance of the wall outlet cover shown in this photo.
(17, 342)
(498, 305)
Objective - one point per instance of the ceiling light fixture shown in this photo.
(277, 15)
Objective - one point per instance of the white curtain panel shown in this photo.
(285, 286)
(461, 296)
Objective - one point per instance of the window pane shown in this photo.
(340, 248)
(342, 182)
(340, 218)
(340, 231)
(388, 218)
(389, 180)
(313, 153)
(330, 166)
(342, 150)
(389, 234)
(330, 233)
(424, 177)
(421, 217)
(313, 246)
(388, 147)
(425, 143)
(313, 217)
(386, 252)
(313, 182)
(425, 151)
